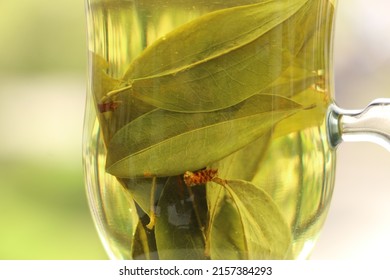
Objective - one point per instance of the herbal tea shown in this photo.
(209, 138)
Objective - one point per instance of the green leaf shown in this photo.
(226, 240)
(292, 81)
(102, 82)
(163, 143)
(315, 104)
(119, 209)
(244, 163)
(264, 230)
(219, 59)
(178, 234)
(128, 108)
(202, 39)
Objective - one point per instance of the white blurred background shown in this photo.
(43, 209)
(358, 225)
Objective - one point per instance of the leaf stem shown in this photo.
(111, 94)
(152, 213)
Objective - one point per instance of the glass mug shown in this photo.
(210, 128)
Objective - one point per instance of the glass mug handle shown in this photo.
(371, 124)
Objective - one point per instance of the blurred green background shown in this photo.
(43, 206)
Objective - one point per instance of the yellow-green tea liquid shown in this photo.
(291, 162)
